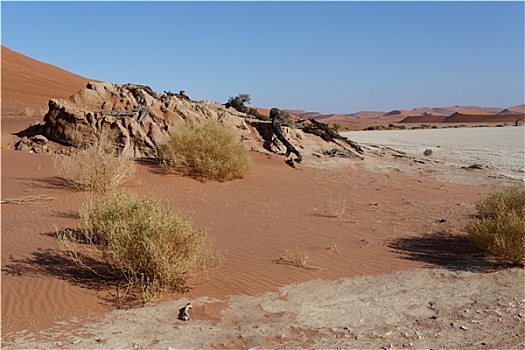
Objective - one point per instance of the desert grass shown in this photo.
(151, 246)
(96, 169)
(8, 141)
(27, 112)
(298, 257)
(210, 151)
(43, 110)
(337, 206)
(499, 228)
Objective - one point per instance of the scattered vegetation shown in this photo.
(297, 257)
(336, 127)
(499, 228)
(96, 169)
(243, 98)
(145, 242)
(210, 151)
(337, 207)
(428, 152)
(27, 112)
(43, 110)
(8, 141)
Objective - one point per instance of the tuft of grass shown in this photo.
(210, 151)
(145, 241)
(96, 169)
(8, 141)
(298, 256)
(337, 206)
(428, 152)
(499, 228)
(27, 112)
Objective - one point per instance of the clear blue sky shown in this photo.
(330, 57)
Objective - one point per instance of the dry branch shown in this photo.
(27, 200)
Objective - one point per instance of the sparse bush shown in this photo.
(154, 248)
(428, 152)
(242, 98)
(298, 257)
(337, 207)
(8, 141)
(336, 127)
(95, 169)
(27, 112)
(210, 151)
(499, 227)
(43, 110)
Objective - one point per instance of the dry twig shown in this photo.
(27, 200)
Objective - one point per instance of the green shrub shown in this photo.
(336, 127)
(428, 152)
(499, 227)
(210, 151)
(154, 248)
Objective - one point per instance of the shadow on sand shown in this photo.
(48, 262)
(453, 252)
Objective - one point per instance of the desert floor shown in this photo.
(395, 270)
(499, 147)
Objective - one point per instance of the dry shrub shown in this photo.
(96, 169)
(148, 244)
(8, 141)
(337, 207)
(499, 227)
(298, 256)
(210, 151)
(27, 112)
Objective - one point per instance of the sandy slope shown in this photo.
(401, 215)
(28, 85)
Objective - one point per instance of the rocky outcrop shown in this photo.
(36, 144)
(133, 118)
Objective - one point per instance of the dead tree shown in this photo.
(280, 118)
(141, 111)
(238, 104)
(517, 119)
(328, 134)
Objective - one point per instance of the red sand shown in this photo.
(256, 220)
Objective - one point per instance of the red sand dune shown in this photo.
(465, 117)
(28, 84)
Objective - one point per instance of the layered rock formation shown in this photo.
(134, 120)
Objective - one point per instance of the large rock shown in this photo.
(134, 120)
(108, 113)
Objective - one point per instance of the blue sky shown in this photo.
(330, 57)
